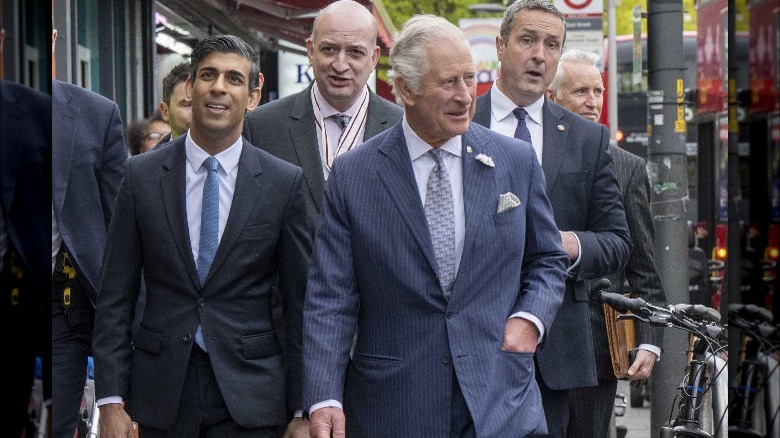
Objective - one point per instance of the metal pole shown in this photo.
(667, 170)
(730, 292)
(612, 72)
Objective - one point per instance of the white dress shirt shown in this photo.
(195, 178)
(332, 127)
(503, 121)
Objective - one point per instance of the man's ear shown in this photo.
(164, 112)
(256, 94)
(406, 93)
(550, 94)
(188, 88)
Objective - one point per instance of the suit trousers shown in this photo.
(202, 409)
(70, 351)
(590, 410)
(461, 422)
(556, 408)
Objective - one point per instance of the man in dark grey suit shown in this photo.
(580, 182)
(212, 221)
(305, 128)
(578, 87)
(88, 158)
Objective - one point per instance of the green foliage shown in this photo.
(452, 10)
(624, 24)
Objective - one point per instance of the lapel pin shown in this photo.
(561, 128)
(468, 150)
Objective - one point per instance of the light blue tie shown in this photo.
(440, 213)
(209, 231)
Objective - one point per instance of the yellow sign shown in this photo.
(679, 124)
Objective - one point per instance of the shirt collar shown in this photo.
(228, 159)
(328, 110)
(502, 106)
(418, 147)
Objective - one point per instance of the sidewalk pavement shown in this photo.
(636, 420)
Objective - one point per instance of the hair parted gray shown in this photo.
(508, 22)
(572, 56)
(409, 55)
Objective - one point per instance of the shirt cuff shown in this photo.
(537, 322)
(108, 400)
(573, 267)
(325, 404)
(651, 348)
(298, 413)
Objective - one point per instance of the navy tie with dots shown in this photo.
(521, 131)
(209, 231)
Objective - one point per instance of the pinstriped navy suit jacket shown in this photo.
(374, 273)
(641, 272)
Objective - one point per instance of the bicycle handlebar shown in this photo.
(751, 311)
(624, 304)
(690, 317)
(705, 312)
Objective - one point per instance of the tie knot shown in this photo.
(341, 119)
(520, 113)
(436, 154)
(211, 164)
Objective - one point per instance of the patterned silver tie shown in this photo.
(440, 213)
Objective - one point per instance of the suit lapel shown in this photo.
(63, 117)
(482, 113)
(376, 119)
(478, 183)
(554, 142)
(303, 132)
(398, 178)
(245, 196)
(12, 118)
(173, 187)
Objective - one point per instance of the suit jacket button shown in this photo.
(450, 314)
(186, 337)
(446, 358)
(201, 303)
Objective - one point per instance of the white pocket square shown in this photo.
(507, 201)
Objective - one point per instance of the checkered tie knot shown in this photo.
(209, 230)
(440, 214)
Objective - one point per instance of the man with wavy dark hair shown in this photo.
(211, 221)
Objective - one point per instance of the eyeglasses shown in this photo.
(156, 136)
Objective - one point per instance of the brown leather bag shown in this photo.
(622, 340)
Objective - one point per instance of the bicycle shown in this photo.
(703, 394)
(755, 395)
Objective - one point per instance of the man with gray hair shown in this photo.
(578, 87)
(437, 246)
(580, 182)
